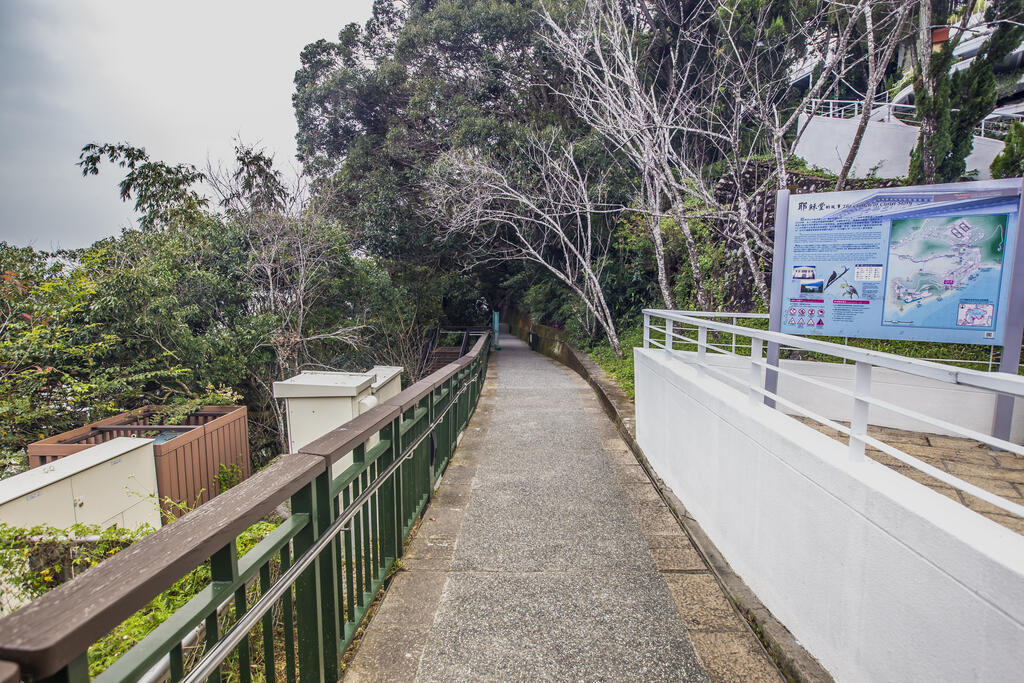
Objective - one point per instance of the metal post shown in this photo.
(647, 330)
(771, 380)
(307, 613)
(327, 578)
(702, 345)
(859, 420)
(1013, 332)
(755, 370)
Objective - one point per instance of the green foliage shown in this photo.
(60, 364)
(727, 276)
(960, 99)
(35, 560)
(1010, 162)
(620, 369)
(228, 476)
(212, 311)
(136, 627)
(630, 274)
(163, 194)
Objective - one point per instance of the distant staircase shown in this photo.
(442, 356)
(444, 345)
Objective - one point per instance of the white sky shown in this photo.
(180, 78)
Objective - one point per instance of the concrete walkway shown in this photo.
(547, 554)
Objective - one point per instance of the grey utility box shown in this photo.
(319, 401)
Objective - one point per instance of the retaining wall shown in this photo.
(878, 577)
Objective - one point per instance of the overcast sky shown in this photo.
(180, 78)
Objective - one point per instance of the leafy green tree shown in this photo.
(163, 194)
(950, 104)
(59, 365)
(244, 296)
(376, 108)
(1010, 162)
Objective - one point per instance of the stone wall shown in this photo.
(800, 182)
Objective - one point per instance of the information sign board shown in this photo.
(927, 263)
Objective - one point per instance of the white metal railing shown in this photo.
(991, 363)
(994, 126)
(763, 375)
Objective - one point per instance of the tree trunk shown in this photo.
(748, 253)
(654, 191)
(924, 61)
(869, 100)
(659, 256)
(698, 277)
(596, 303)
(609, 327)
(854, 147)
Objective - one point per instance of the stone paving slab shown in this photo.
(994, 471)
(560, 559)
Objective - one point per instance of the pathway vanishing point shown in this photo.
(547, 554)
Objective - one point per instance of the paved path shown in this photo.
(548, 555)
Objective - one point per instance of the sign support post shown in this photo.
(1009, 361)
(771, 377)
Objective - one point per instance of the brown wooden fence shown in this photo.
(186, 464)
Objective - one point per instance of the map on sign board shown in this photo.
(944, 269)
(927, 263)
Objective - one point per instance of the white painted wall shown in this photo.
(963, 406)
(112, 483)
(878, 577)
(886, 144)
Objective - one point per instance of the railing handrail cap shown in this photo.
(44, 635)
(1010, 384)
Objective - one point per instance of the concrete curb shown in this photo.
(795, 663)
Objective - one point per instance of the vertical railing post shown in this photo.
(77, 671)
(391, 536)
(223, 569)
(702, 348)
(647, 330)
(754, 383)
(327, 573)
(859, 419)
(307, 614)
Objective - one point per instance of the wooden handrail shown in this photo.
(43, 635)
(333, 445)
(48, 633)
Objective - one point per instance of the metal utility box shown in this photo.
(110, 484)
(387, 381)
(319, 401)
(188, 455)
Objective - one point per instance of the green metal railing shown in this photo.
(289, 607)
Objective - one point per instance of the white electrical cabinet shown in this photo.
(319, 401)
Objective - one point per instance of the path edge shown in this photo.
(792, 659)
